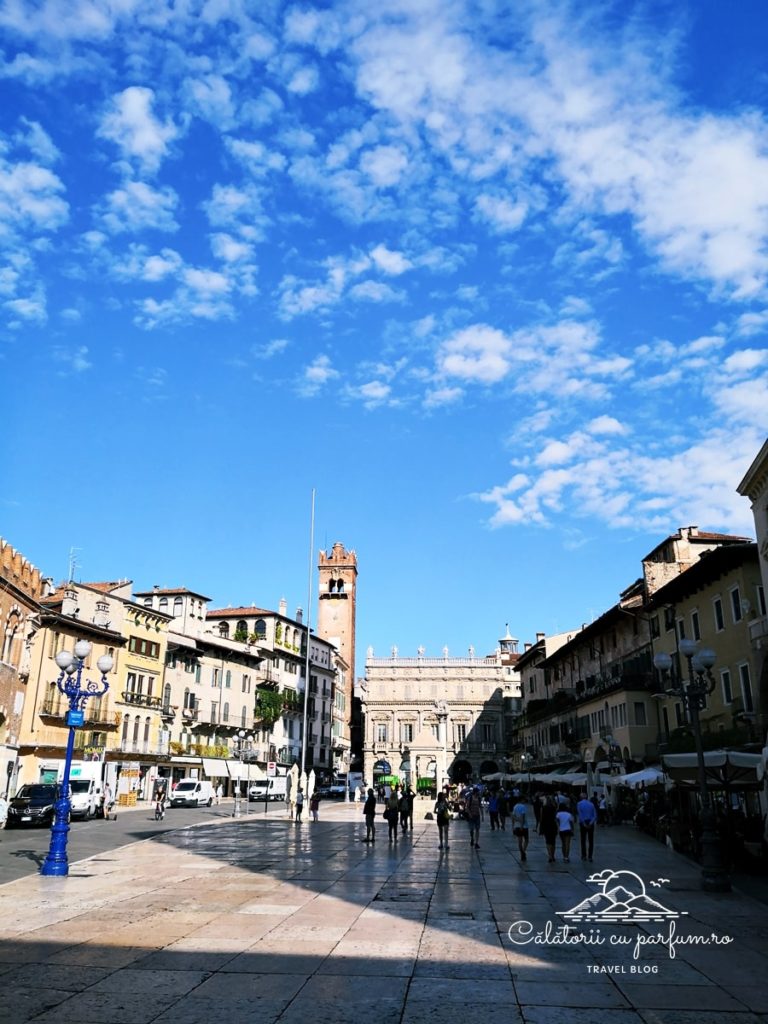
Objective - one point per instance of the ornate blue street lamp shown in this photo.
(69, 682)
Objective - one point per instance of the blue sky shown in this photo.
(490, 277)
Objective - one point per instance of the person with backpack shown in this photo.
(369, 810)
(443, 818)
(474, 809)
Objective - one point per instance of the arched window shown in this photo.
(225, 713)
(147, 724)
(163, 604)
(223, 629)
(14, 622)
(241, 630)
(261, 628)
(296, 638)
(167, 695)
(136, 725)
(178, 606)
(340, 586)
(243, 716)
(126, 725)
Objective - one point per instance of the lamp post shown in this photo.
(441, 713)
(693, 693)
(71, 685)
(242, 735)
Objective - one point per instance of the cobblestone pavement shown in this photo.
(268, 920)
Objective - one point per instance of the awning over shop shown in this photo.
(724, 769)
(244, 770)
(215, 767)
(646, 777)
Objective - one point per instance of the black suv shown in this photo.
(32, 805)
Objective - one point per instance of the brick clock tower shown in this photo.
(336, 614)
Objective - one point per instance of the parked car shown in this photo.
(32, 805)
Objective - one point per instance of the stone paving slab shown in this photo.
(283, 923)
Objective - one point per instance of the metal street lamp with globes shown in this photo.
(693, 693)
(71, 685)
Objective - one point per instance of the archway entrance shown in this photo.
(488, 768)
(461, 772)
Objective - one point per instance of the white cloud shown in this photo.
(501, 214)
(132, 126)
(270, 349)
(303, 80)
(389, 261)
(437, 397)
(374, 291)
(746, 361)
(606, 425)
(137, 206)
(72, 360)
(210, 97)
(319, 373)
(384, 165)
(480, 353)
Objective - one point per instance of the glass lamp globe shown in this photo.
(105, 663)
(662, 661)
(82, 649)
(688, 647)
(64, 659)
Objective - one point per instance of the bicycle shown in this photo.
(160, 810)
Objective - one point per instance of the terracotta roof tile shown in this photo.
(237, 613)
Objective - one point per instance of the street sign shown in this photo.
(271, 769)
(75, 718)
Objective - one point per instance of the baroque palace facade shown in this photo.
(428, 720)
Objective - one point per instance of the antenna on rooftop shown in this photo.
(73, 564)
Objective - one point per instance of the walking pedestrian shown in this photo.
(602, 814)
(314, 805)
(474, 808)
(565, 828)
(443, 818)
(392, 812)
(548, 826)
(493, 811)
(587, 815)
(520, 826)
(299, 803)
(369, 810)
(504, 807)
(410, 797)
(108, 803)
(538, 803)
(219, 793)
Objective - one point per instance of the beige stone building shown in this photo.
(597, 697)
(21, 588)
(438, 719)
(74, 612)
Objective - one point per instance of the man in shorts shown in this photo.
(520, 826)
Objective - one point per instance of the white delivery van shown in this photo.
(85, 787)
(192, 793)
(269, 789)
(85, 798)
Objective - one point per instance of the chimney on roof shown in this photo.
(283, 606)
(299, 614)
(540, 637)
(69, 602)
(155, 588)
(527, 645)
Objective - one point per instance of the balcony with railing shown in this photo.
(190, 714)
(96, 713)
(155, 749)
(141, 700)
